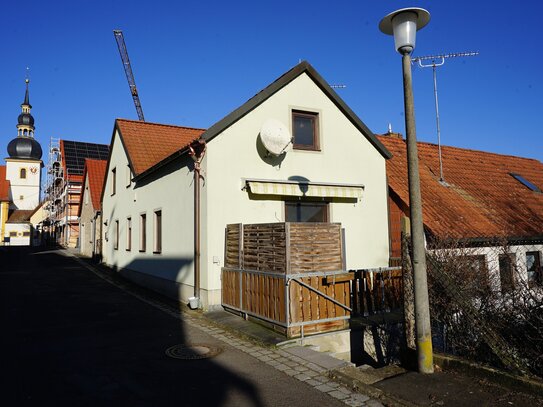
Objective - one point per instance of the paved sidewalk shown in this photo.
(302, 364)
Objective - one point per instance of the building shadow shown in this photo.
(81, 334)
(376, 340)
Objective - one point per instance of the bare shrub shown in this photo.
(482, 308)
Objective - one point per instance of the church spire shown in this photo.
(25, 121)
(24, 146)
(26, 101)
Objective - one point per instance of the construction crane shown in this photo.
(128, 71)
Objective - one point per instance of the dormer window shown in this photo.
(305, 130)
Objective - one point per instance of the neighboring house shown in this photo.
(20, 180)
(335, 172)
(19, 230)
(38, 220)
(4, 202)
(90, 215)
(64, 190)
(490, 202)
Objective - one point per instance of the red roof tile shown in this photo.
(4, 184)
(481, 198)
(20, 216)
(149, 143)
(95, 169)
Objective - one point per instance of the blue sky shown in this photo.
(196, 61)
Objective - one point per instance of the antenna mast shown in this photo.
(128, 71)
(439, 60)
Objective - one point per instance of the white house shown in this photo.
(334, 172)
(89, 212)
(489, 205)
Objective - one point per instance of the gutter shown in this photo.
(197, 152)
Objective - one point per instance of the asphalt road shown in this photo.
(69, 338)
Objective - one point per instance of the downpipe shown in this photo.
(197, 152)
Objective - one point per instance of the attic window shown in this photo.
(305, 130)
(525, 182)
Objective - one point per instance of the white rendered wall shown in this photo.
(19, 229)
(168, 190)
(346, 156)
(29, 187)
(86, 220)
(492, 254)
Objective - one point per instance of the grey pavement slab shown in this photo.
(320, 359)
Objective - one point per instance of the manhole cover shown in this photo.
(193, 351)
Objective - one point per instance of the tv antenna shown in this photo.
(436, 61)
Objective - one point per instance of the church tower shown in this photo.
(23, 166)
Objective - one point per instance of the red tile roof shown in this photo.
(481, 199)
(20, 216)
(4, 184)
(148, 144)
(95, 169)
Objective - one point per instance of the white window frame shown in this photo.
(157, 231)
(143, 232)
(128, 233)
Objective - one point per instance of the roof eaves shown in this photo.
(83, 185)
(116, 129)
(37, 208)
(162, 163)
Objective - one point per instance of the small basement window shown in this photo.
(525, 182)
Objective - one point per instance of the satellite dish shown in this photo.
(275, 136)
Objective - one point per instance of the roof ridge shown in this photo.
(160, 124)
(95, 159)
(384, 136)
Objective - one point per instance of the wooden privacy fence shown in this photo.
(376, 291)
(280, 273)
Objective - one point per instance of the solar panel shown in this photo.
(75, 153)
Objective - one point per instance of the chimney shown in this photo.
(390, 133)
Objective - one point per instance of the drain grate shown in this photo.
(193, 351)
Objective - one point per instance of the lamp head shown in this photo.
(404, 24)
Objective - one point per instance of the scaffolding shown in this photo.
(54, 188)
(65, 171)
(61, 195)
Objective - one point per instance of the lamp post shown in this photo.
(404, 24)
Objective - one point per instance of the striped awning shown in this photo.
(304, 189)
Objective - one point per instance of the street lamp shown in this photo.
(404, 24)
